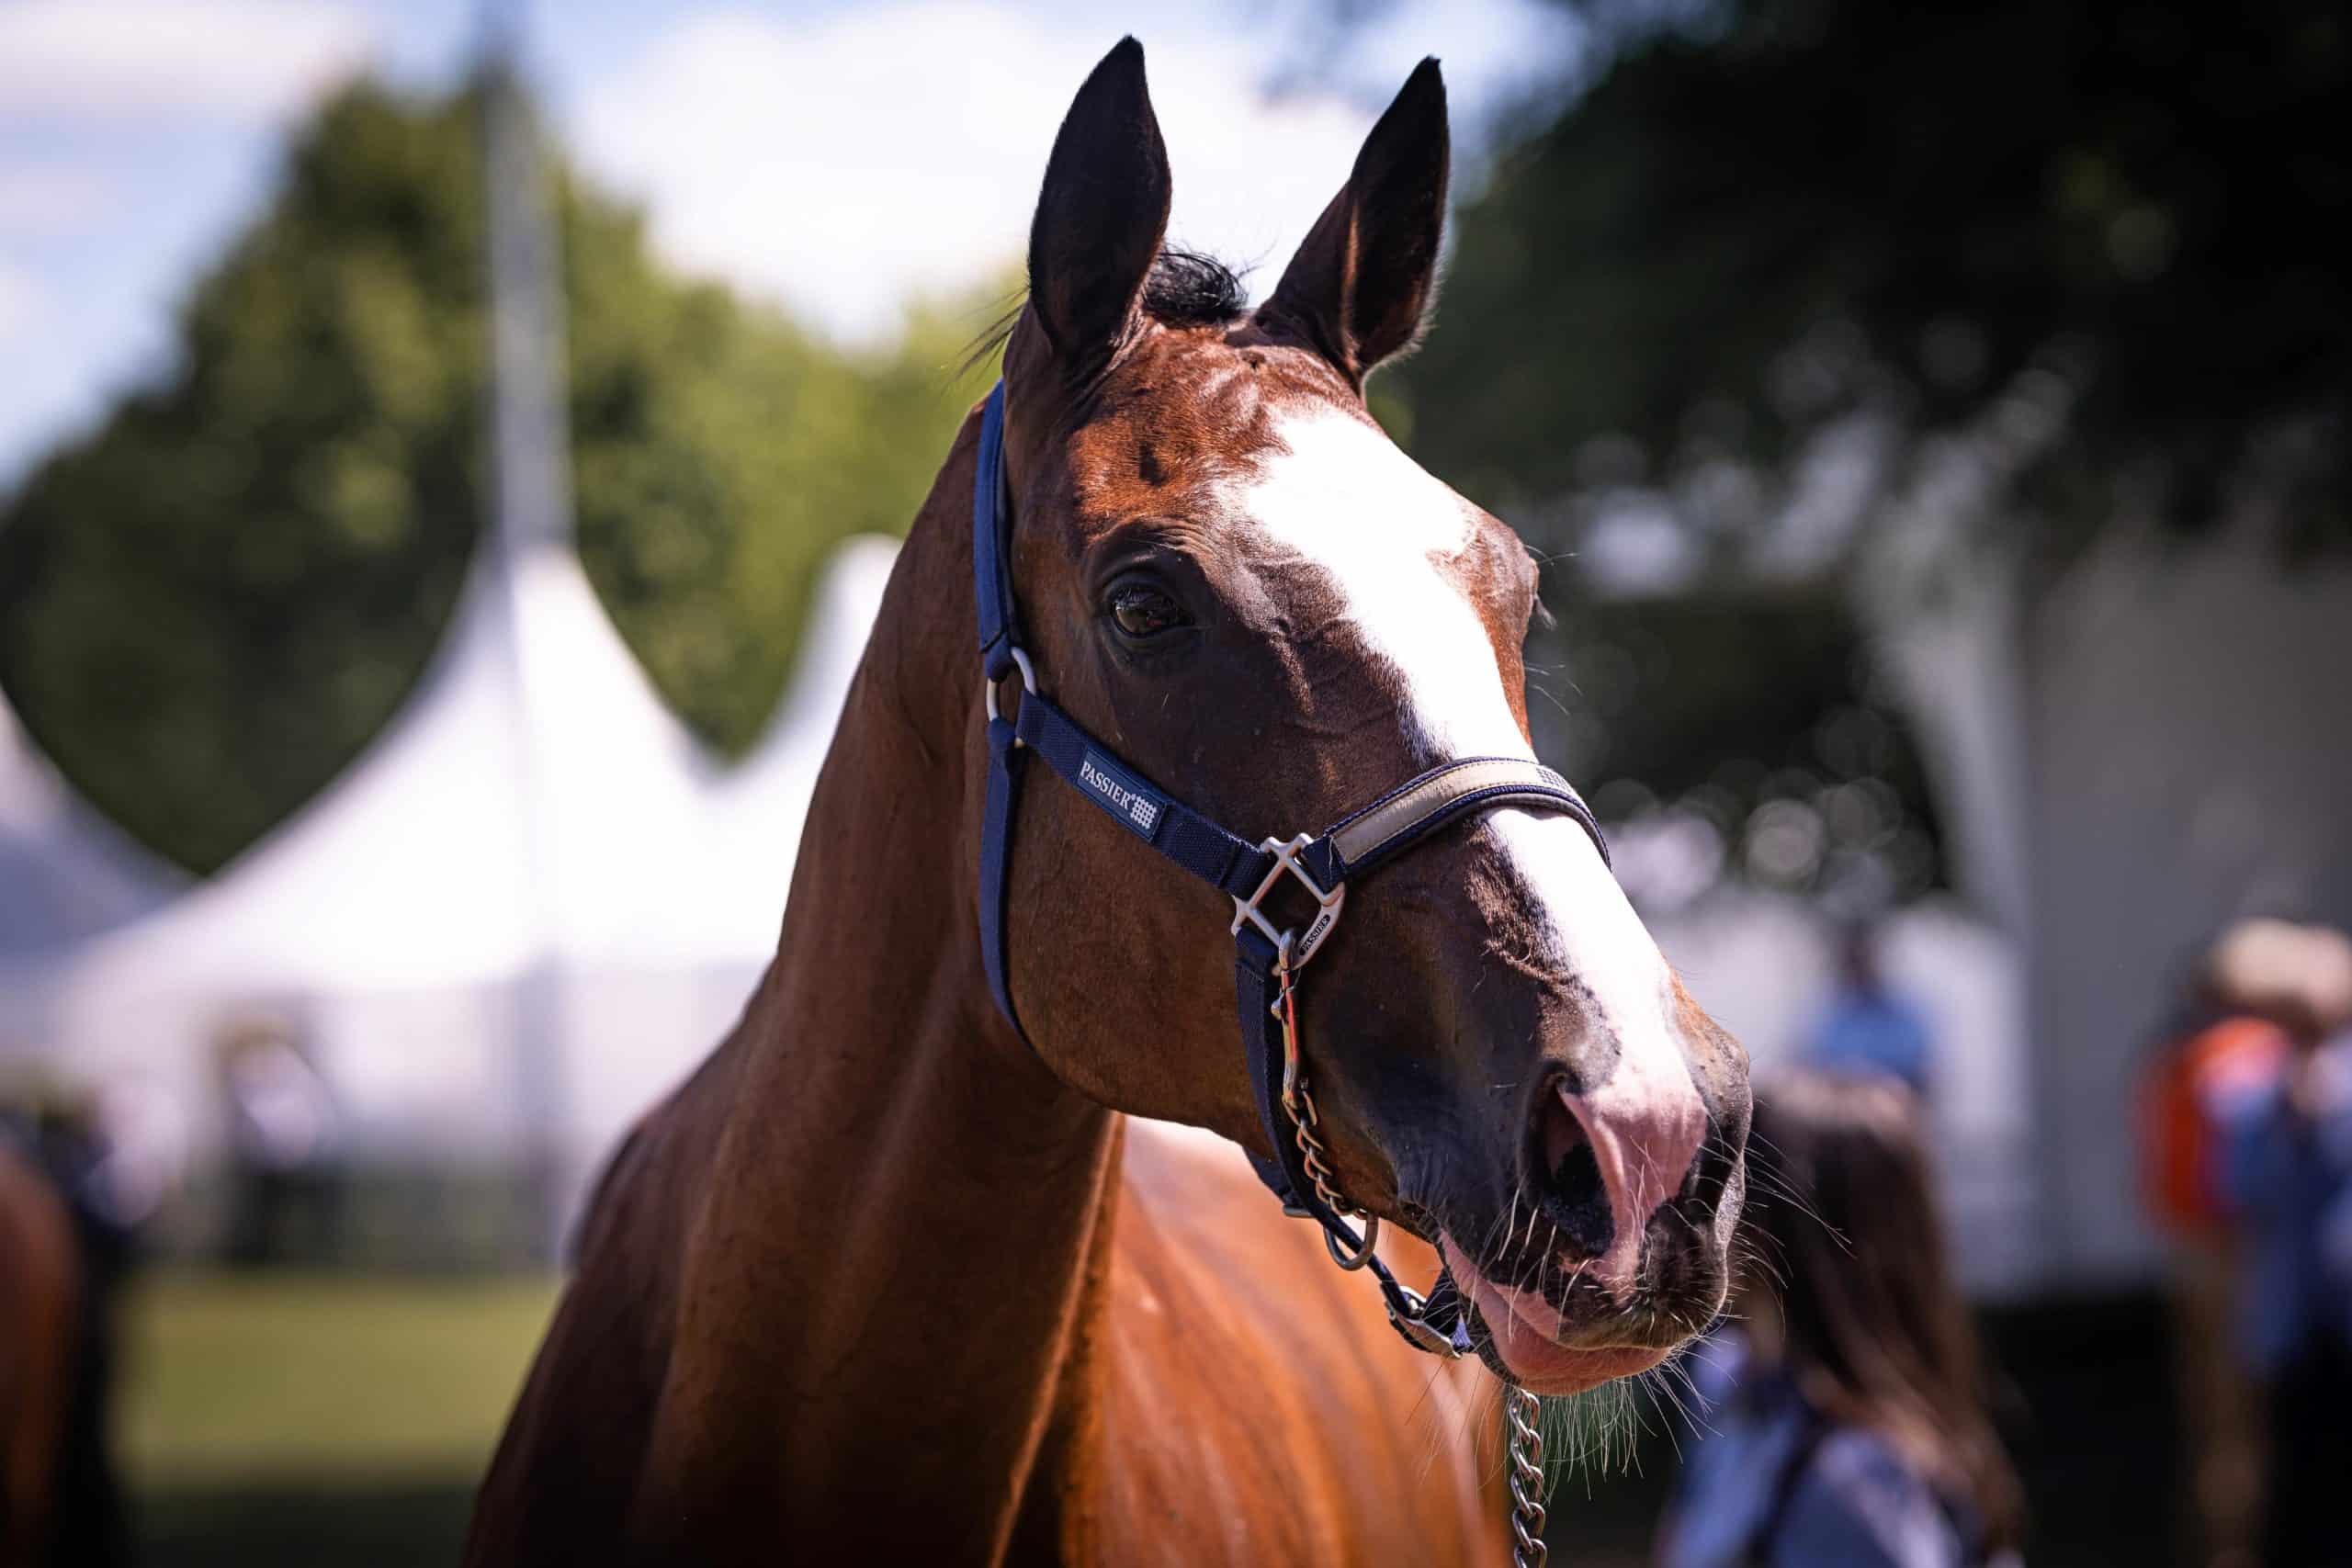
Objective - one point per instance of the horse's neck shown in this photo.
(910, 1216)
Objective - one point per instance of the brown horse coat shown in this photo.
(40, 1289)
(885, 1280)
(862, 1287)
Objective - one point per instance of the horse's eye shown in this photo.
(1143, 611)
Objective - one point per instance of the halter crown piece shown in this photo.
(1266, 960)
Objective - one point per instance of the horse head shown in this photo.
(1231, 574)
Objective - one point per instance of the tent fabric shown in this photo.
(66, 874)
(534, 850)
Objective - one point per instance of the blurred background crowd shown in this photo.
(449, 457)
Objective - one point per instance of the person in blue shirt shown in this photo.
(1869, 1028)
(1844, 1420)
(2288, 1174)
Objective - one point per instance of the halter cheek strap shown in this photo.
(1266, 959)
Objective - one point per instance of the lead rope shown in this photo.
(1520, 1409)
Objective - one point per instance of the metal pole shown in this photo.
(531, 501)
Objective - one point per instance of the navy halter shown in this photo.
(1266, 961)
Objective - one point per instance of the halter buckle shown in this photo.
(1326, 905)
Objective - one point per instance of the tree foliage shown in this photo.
(210, 603)
(1750, 731)
(2024, 268)
(1769, 214)
(719, 454)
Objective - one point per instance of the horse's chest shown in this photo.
(1256, 1422)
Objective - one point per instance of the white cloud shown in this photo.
(53, 198)
(841, 163)
(240, 60)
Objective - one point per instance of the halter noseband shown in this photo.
(1267, 960)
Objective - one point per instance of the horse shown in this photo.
(909, 1269)
(41, 1293)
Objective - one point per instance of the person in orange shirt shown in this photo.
(2225, 1049)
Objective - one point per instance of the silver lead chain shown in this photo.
(1521, 1412)
(1520, 1409)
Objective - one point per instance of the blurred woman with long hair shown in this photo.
(1843, 1418)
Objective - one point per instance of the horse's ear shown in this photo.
(1364, 274)
(1101, 216)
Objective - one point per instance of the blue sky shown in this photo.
(835, 159)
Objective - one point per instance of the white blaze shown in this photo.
(1380, 527)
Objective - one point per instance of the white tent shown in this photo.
(523, 911)
(67, 877)
(66, 874)
(534, 900)
(479, 832)
(754, 811)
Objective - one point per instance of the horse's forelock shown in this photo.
(1186, 289)
(1191, 288)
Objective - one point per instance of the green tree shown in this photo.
(212, 603)
(720, 452)
(2026, 267)
(1767, 216)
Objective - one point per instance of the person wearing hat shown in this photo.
(2290, 1180)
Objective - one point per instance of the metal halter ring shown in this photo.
(1352, 1261)
(1414, 1324)
(1326, 905)
(1028, 681)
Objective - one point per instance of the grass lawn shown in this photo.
(284, 1377)
(334, 1418)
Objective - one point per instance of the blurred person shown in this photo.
(2216, 1053)
(1843, 1420)
(284, 1145)
(143, 1135)
(2291, 1176)
(1869, 1028)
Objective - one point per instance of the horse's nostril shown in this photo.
(1563, 1133)
(1569, 1187)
